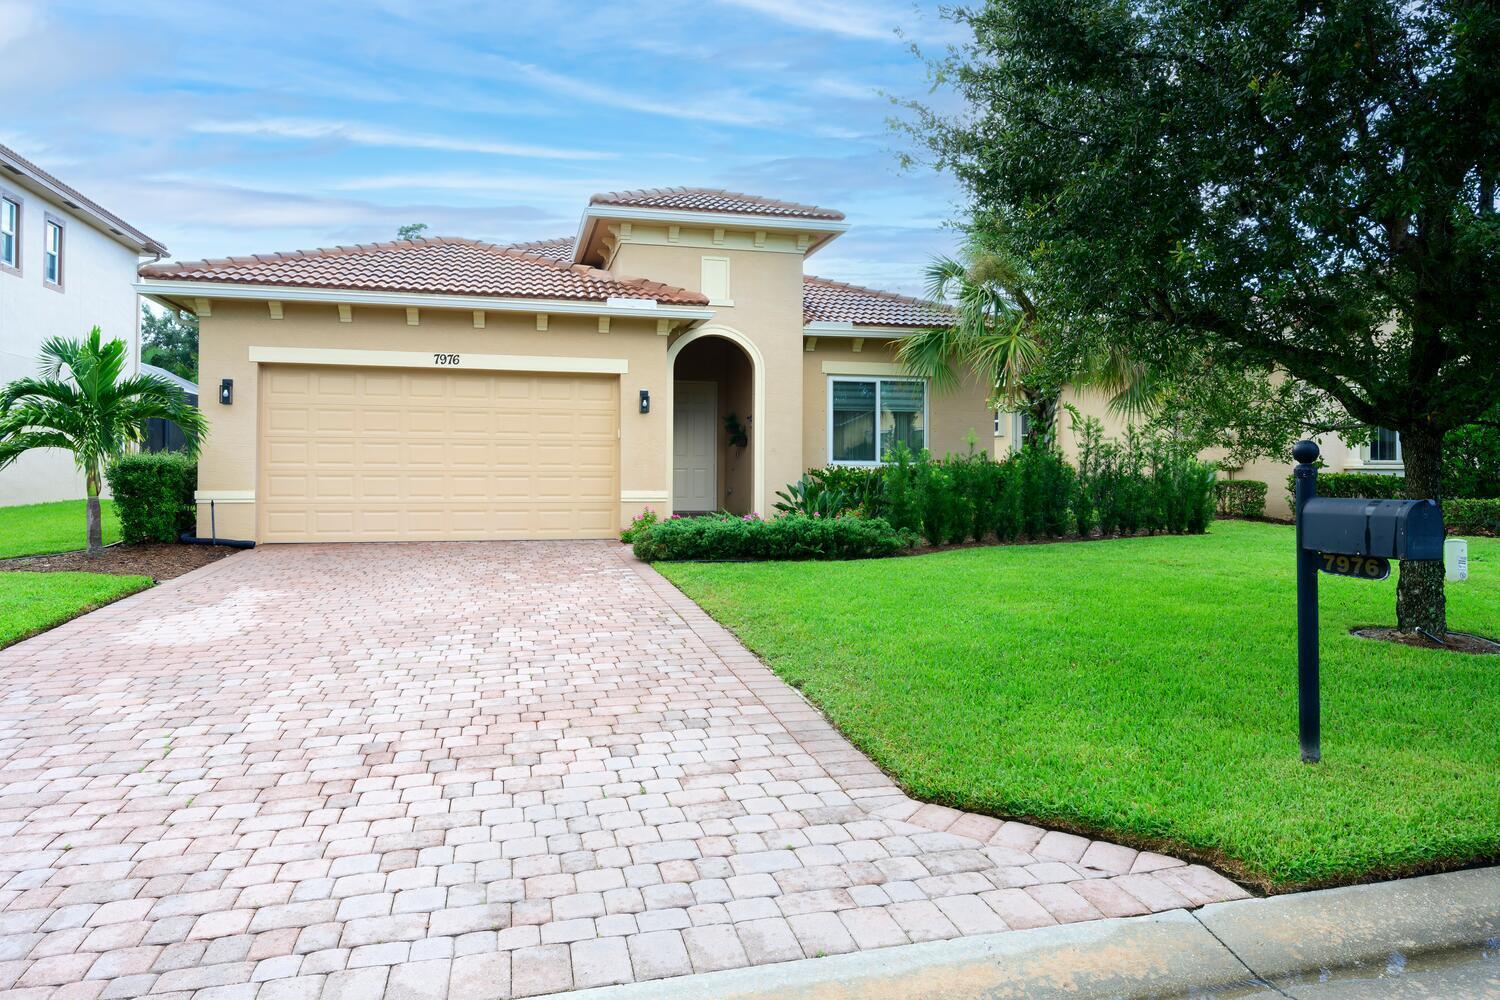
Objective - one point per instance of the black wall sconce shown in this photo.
(645, 400)
(226, 391)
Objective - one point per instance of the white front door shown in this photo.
(695, 460)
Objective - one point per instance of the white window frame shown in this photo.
(1383, 463)
(48, 222)
(12, 266)
(877, 379)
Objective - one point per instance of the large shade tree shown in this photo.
(82, 402)
(1303, 186)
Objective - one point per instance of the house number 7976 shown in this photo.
(445, 359)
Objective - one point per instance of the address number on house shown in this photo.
(445, 359)
(1364, 567)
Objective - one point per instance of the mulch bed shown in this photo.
(1454, 642)
(158, 560)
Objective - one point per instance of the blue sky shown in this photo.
(225, 128)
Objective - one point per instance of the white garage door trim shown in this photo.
(438, 360)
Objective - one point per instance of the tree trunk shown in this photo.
(1043, 413)
(1420, 602)
(96, 523)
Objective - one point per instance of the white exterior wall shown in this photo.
(98, 274)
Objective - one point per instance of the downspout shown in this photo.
(213, 535)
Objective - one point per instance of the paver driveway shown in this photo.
(485, 769)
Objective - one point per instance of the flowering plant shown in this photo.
(639, 525)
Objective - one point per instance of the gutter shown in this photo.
(616, 308)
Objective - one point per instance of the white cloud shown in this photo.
(723, 108)
(854, 20)
(366, 135)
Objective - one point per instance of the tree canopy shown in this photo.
(170, 340)
(1268, 186)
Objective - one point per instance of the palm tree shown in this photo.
(81, 403)
(999, 333)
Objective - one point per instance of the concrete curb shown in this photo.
(1164, 953)
(1283, 936)
(1236, 949)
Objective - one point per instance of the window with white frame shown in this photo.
(52, 252)
(1385, 445)
(10, 233)
(867, 417)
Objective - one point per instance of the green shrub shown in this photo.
(638, 525)
(808, 496)
(153, 494)
(862, 485)
(901, 498)
(722, 537)
(1367, 485)
(1240, 497)
(1471, 461)
(1472, 517)
(1145, 484)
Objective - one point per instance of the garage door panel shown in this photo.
(290, 419)
(378, 454)
(329, 419)
(380, 420)
(351, 454)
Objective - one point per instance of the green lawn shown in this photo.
(39, 528)
(33, 602)
(1145, 690)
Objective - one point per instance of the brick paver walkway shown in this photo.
(477, 770)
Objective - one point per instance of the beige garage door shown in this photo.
(382, 454)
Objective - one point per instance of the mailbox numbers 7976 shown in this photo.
(445, 359)
(1364, 567)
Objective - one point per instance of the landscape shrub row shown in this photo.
(791, 536)
(153, 494)
(1240, 497)
(1140, 485)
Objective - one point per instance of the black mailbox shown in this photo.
(1383, 529)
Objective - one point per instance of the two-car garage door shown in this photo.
(386, 454)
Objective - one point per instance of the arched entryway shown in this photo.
(716, 454)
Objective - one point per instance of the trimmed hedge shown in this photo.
(1240, 497)
(722, 537)
(1472, 516)
(1363, 485)
(153, 494)
(1119, 489)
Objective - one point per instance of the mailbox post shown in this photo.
(1309, 709)
(1346, 537)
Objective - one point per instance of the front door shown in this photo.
(695, 460)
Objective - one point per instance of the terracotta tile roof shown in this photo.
(440, 265)
(560, 248)
(825, 301)
(713, 200)
(18, 164)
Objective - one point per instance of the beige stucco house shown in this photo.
(451, 389)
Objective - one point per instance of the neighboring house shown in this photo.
(1381, 456)
(450, 389)
(163, 435)
(66, 265)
